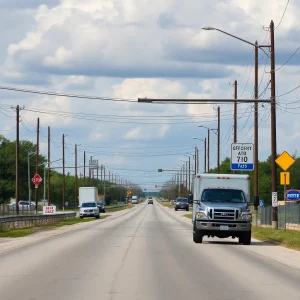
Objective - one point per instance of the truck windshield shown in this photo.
(223, 195)
(89, 204)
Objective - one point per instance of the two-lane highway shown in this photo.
(145, 254)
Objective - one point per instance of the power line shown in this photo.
(283, 14)
(288, 59)
(65, 95)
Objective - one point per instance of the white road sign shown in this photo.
(274, 199)
(242, 155)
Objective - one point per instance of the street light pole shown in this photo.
(273, 117)
(208, 150)
(218, 168)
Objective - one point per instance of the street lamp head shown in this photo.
(208, 28)
(194, 138)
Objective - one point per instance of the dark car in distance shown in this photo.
(150, 201)
(101, 207)
(182, 203)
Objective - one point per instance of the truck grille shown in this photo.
(224, 214)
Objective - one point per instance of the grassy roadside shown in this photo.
(167, 205)
(108, 210)
(189, 216)
(13, 233)
(288, 238)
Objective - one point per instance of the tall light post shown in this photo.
(216, 132)
(271, 47)
(195, 138)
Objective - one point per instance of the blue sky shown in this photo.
(128, 49)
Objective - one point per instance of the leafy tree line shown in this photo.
(264, 180)
(113, 191)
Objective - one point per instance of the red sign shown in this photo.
(37, 179)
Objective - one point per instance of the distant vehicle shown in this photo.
(23, 205)
(88, 194)
(101, 207)
(220, 207)
(150, 201)
(182, 203)
(89, 209)
(135, 201)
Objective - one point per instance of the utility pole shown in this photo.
(189, 173)
(84, 168)
(49, 164)
(205, 155)
(63, 189)
(101, 176)
(255, 181)
(235, 114)
(109, 176)
(17, 158)
(218, 168)
(208, 150)
(273, 127)
(195, 161)
(90, 170)
(37, 162)
(76, 177)
(97, 170)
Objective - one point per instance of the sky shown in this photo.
(120, 50)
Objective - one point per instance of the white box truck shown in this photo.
(220, 207)
(88, 197)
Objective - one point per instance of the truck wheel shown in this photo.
(98, 216)
(187, 209)
(197, 236)
(247, 238)
(176, 209)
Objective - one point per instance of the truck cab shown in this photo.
(220, 207)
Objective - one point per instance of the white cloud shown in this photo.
(95, 136)
(129, 49)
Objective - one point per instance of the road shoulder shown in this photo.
(277, 253)
(9, 244)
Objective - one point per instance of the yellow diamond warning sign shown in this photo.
(284, 161)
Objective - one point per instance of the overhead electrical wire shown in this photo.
(287, 4)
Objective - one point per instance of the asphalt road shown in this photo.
(146, 254)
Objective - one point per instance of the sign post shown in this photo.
(284, 161)
(242, 157)
(36, 179)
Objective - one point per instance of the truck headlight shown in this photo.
(247, 216)
(201, 215)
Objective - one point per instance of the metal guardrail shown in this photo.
(10, 219)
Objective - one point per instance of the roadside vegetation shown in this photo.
(13, 233)
(288, 238)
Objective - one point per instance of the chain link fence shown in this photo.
(288, 215)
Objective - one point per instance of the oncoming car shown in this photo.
(182, 203)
